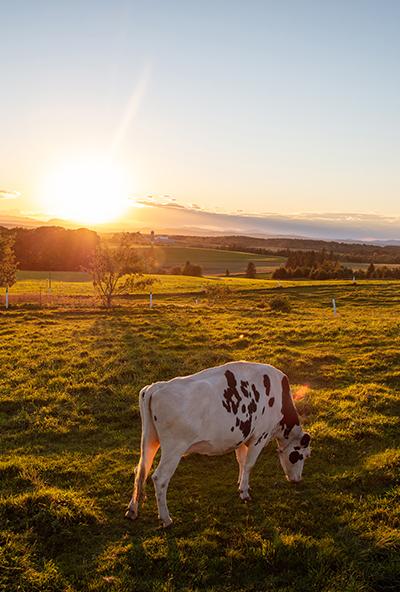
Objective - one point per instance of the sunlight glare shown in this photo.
(86, 192)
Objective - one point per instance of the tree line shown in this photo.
(346, 251)
(324, 265)
(51, 247)
(316, 265)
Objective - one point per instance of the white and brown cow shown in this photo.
(239, 406)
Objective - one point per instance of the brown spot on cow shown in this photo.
(305, 441)
(155, 418)
(267, 384)
(256, 393)
(259, 440)
(243, 408)
(244, 387)
(294, 456)
(252, 407)
(231, 395)
(271, 401)
(289, 413)
(245, 427)
(232, 428)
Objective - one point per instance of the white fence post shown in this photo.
(151, 299)
(334, 306)
(6, 296)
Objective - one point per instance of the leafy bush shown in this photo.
(280, 304)
(190, 269)
(251, 270)
(216, 293)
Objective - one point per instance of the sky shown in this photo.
(235, 108)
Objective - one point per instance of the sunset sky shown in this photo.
(228, 107)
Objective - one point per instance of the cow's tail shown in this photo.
(149, 445)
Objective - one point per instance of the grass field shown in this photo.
(79, 284)
(70, 432)
(31, 284)
(214, 261)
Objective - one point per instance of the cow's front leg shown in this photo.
(252, 455)
(161, 478)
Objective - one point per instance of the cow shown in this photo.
(239, 406)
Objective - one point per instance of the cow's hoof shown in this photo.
(245, 498)
(166, 523)
(130, 515)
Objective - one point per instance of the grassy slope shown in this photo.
(214, 261)
(76, 284)
(69, 429)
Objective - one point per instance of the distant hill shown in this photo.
(280, 246)
(57, 248)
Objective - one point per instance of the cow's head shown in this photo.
(292, 454)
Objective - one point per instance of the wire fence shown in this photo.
(46, 300)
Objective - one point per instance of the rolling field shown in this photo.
(70, 435)
(214, 261)
(30, 284)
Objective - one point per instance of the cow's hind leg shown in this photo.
(161, 478)
(241, 454)
(252, 455)
(149, 450)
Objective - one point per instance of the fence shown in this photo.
(45, 300)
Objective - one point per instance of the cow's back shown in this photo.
(221, 407)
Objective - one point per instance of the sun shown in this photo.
(86, 192)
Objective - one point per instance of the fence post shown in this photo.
(151, 299)
(334, 306)
(6, 297)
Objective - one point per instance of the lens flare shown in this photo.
(86, 192)
(301, 392)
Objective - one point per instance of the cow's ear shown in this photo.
(305, 440)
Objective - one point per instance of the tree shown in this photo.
(190, 269)
(371, 270)
(280, 273)
(119, 270)
(53, 248)
(251, 270)
(8, 262)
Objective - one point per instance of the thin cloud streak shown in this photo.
(6, 194)
(339, 226)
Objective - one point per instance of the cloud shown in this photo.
(179, 218)
(5, 194)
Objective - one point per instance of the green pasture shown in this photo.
(79, 283)
(70, 284)
(70, 436)
(214, 261)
